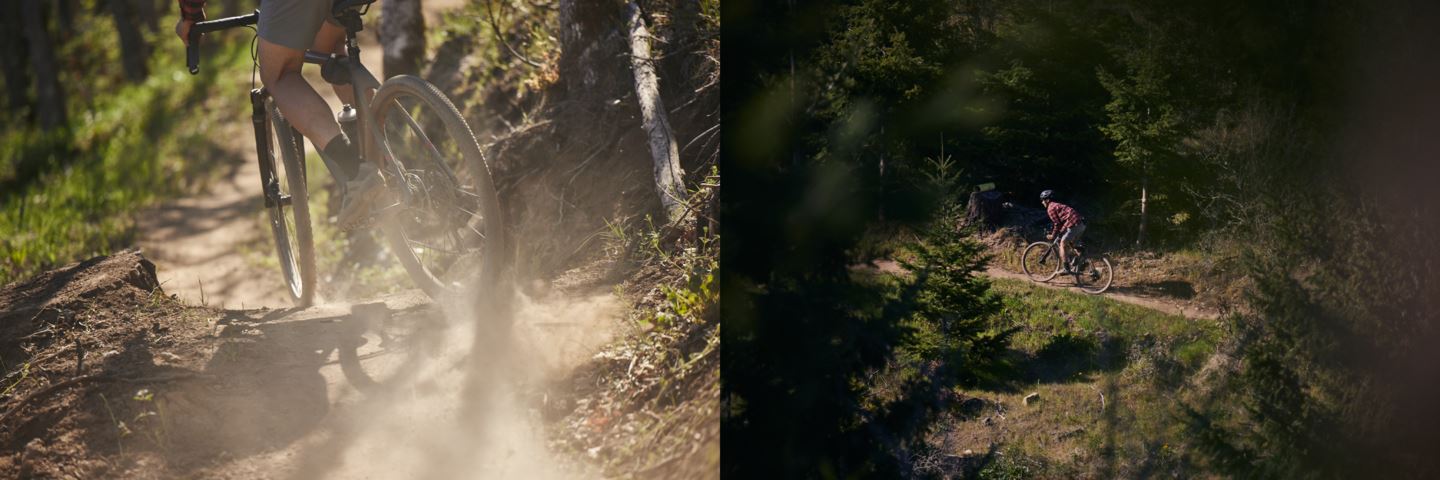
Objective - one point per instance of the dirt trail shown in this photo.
(196, 242)
(1168, 305)
(1171, 306)
(397, 387)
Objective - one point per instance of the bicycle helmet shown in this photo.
(1045, 195)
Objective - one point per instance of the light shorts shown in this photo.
(293, 23)
(1072, 234)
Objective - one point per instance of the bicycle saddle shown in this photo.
(342, 5)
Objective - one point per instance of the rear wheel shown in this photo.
(287, 204)
(446, 229)
(1040, 262)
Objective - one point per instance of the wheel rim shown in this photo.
(1094, 275)
(282, 217)
(439, 219)
(1035, 268)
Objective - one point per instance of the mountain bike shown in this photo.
(1091, 273)
(445, 226)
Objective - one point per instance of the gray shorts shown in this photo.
(1072, 234)
(293, 23)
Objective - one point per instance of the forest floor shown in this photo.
(1093, 385)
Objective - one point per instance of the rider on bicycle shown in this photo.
(286, 29)
(1068, 224)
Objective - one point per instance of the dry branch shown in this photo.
(669, 177)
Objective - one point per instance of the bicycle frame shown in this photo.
(1075, 251)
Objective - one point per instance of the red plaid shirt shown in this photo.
(1063, 217)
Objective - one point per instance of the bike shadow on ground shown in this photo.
(411, 381)
(271, 381)
(266, 389)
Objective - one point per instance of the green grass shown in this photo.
(76, 192)
(1045, 312)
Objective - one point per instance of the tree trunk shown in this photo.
(50, 99)
(12, 60)
(132, 45)
(669, 177)
(402, 35)
(582, 23)
(1144, 214)
(147, 16)
(65, 18)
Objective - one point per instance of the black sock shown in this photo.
(341, 158)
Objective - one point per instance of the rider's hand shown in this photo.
(1049, 236)
(182, 28)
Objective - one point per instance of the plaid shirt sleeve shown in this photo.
(193, 10)
(1062, 216)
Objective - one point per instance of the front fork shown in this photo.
(269, 182)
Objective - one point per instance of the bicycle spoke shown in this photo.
(433, 248)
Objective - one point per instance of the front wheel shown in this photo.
(1040, 261)
(446, 228)
(287, 203)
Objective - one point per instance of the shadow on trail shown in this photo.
(263, 390)
(430, 407)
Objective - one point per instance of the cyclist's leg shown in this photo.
(331, 39)
(362, 186)
(297, 100)
(1074, 236)
(1060, 243)
(286, 29)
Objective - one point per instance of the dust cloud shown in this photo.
(456, 394)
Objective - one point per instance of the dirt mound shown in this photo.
(106, 376)
(89, 279)
(77, 345)
(37, 313)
